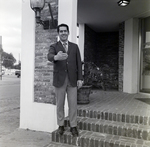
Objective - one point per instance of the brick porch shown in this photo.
(111, 119)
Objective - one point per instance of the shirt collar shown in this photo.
(64, 42)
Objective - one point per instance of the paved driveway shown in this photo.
(9, 104)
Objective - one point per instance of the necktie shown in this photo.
(65, 46)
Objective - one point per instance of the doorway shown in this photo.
(145, 56)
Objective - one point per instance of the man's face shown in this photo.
(63, 34)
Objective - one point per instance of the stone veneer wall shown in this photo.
(43, 89)
(102, 49)
(121, 55)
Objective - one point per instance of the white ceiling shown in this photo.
(105, 15)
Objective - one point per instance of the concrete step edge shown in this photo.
(95, 139)
(113, 128)
(114, 116)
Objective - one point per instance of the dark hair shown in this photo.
(62, 25)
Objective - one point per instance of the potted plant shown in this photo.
(96, 76)
(84, 92)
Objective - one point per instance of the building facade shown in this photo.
(128, 50)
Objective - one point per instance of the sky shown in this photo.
(10, 26)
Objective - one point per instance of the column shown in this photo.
(33, 115)
(67, 13)
(131, 57)
(81, 40)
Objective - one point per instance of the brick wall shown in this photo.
(102, 49)
(90, 45)
(43, 89)
(107, 56)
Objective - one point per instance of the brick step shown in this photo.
(113, 128)
(95, 139)
(114, 116)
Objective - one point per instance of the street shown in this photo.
(9, 104)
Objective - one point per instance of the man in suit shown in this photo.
(67, 77)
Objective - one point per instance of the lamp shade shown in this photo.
(37, 4)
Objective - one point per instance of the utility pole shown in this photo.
(0, 57)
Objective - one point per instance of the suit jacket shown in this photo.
(71, 66)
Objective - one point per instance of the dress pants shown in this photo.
(72, 103)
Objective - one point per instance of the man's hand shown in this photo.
(79, 83)
(61, 56)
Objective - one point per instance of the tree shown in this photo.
(8, 60)
(18, 66)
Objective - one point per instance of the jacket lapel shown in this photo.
(69, 47)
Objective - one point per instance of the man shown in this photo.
(67, 77)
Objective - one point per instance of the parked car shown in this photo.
(18, 73)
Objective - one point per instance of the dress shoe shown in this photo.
(74, 131)
(61, 130)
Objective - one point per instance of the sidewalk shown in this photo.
(28, 138)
